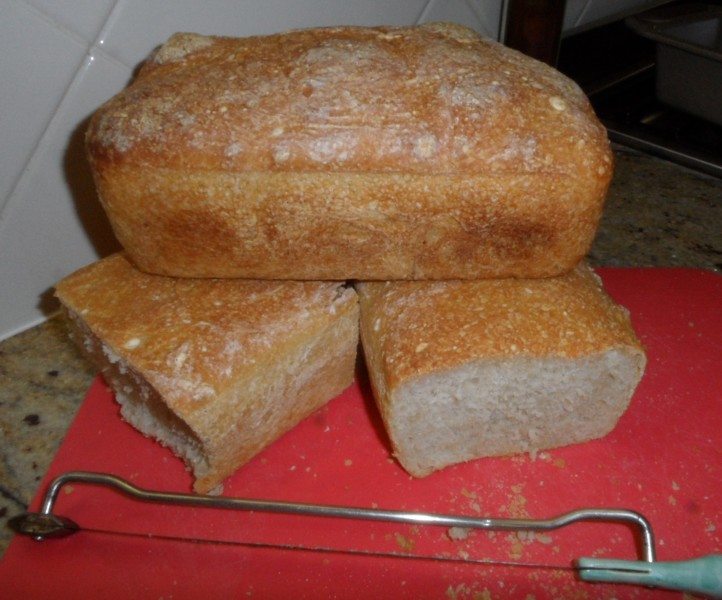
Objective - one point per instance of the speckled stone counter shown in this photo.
(657, 214)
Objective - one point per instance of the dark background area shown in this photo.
(616, 67)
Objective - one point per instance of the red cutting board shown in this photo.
(663, 459)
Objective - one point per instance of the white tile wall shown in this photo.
(60, 59)
(36, 68)
(84, 18)
(53, 223)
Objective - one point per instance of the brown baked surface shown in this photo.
(349, 152)
(415, 328)
(231, 364)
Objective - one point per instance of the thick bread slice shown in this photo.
(463, 370)
(350, 153)
(214, 369)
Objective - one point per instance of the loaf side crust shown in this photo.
(331, 226)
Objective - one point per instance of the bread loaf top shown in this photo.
(432, 99)
(192, 338)
(422, 327)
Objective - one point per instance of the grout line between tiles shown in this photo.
(473, 7)
(97, 44)
(74, 82)
(424, 11)
(6, 201)
(582, 13)
(90, 49)
(501, 31)
(96, 49)
(55, 24)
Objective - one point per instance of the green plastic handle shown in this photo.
(699, 575)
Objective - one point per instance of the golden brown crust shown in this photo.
(190, 337)
(371, 153)
(290, 226)
(238, 361)
(432, 99)
(415, 328)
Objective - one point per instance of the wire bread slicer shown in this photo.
(701, 575)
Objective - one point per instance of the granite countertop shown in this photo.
(657, 214)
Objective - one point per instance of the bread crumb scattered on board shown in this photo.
(404, 543)
(458, 533)
(463, 591)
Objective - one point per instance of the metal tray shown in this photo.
(689, 56)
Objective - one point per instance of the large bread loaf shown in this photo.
(369, 153)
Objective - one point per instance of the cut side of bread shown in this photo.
(214, 369)
(377, 153)
(464, 370)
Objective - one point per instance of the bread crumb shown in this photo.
(132, 343)
(425, 146)
(181, 45)
(675, 486)
(422, 346)
(216, 491)
(404, 543)
(517, 548)
(458, 533)
(281, 155)
(348, 462)
(388, 36)
(557, 103)
(233, 149)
